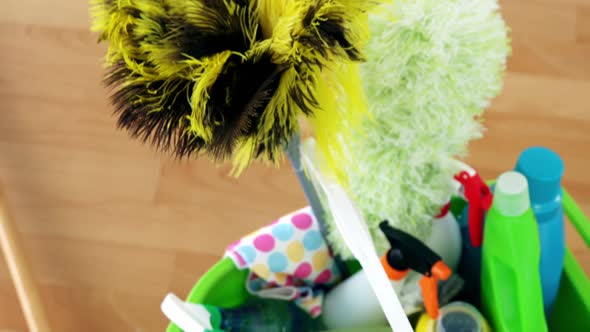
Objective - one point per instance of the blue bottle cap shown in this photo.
(543, 169)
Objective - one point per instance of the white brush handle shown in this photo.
(355, 234)
(357, 238)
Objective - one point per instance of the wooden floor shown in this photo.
(110, 226)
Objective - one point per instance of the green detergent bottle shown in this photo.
(511, 292)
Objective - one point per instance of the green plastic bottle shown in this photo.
(511, 292)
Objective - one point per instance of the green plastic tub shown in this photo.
(223, 284)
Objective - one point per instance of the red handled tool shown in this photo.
(479, 197)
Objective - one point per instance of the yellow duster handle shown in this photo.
(21, 273)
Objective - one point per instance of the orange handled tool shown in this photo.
(408, 253)
(429, 286)
(20, 271)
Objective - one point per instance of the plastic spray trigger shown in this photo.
(479, 196)
(408, 253)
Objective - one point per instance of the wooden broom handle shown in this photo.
(20, 271)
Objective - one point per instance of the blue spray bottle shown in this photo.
(544, 169)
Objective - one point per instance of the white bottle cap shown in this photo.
(511, 196)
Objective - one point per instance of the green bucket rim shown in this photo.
(232, 292)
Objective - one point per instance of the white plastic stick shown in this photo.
(355, 234)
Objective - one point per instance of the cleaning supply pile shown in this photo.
(393, 92)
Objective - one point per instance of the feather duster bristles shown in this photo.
(432, 66)
(216, 77)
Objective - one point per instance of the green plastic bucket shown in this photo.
(223, 285)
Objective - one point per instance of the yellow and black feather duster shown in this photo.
(226, 78)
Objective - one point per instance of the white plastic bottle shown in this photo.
(353, 304)
(445, 238)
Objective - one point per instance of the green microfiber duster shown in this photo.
(432, 66)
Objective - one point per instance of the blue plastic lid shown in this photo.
(543, 169)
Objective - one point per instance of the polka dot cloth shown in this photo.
(292, 245)
(290, 251)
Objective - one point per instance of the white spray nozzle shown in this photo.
(457, 186)
(466, 168)
(188, 317)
